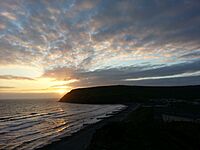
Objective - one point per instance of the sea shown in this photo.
(31, 124)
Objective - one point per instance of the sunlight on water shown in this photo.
(26, 125)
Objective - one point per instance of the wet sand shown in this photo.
(81, 139)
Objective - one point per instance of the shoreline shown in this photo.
(81, 139)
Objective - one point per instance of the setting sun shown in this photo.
(61, 91)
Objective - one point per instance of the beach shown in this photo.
(81, 139)
(28, 125)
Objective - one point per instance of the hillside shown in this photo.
(141, 131)
(125, 94)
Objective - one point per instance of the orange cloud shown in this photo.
(2, 26)
(8, 15)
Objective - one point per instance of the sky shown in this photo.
(49, 47)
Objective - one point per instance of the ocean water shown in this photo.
(30, 124)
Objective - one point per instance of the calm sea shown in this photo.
(30, 124)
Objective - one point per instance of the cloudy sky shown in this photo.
(48, 47)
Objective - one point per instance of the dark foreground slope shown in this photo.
(124, 94)
(141, 131)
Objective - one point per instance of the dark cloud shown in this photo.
(192, 80)
(32, 96)
(81, 38)
(194, 54)
(132, 75)
(156, 23)
(11, 77)
(6, 87)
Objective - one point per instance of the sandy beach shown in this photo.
(81, 139)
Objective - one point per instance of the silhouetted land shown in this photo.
(168, 118)
(140, 131)
(126, 94)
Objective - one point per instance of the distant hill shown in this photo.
(123, 94)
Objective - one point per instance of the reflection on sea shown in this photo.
(31, 124)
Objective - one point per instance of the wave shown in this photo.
(30, 130)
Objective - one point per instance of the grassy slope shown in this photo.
(139, 131)
(122, 94)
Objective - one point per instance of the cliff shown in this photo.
(124, 94)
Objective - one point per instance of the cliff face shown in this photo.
(124, 94)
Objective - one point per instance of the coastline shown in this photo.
(81, 139)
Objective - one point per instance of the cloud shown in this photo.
(194, 55)
(101, 41)
(11, 77)
(192, 80)
(8, 15)
(131, 75)
(6, 87)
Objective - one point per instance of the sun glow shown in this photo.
(61, 91)
(37, 85)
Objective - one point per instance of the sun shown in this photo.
(61, 91)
